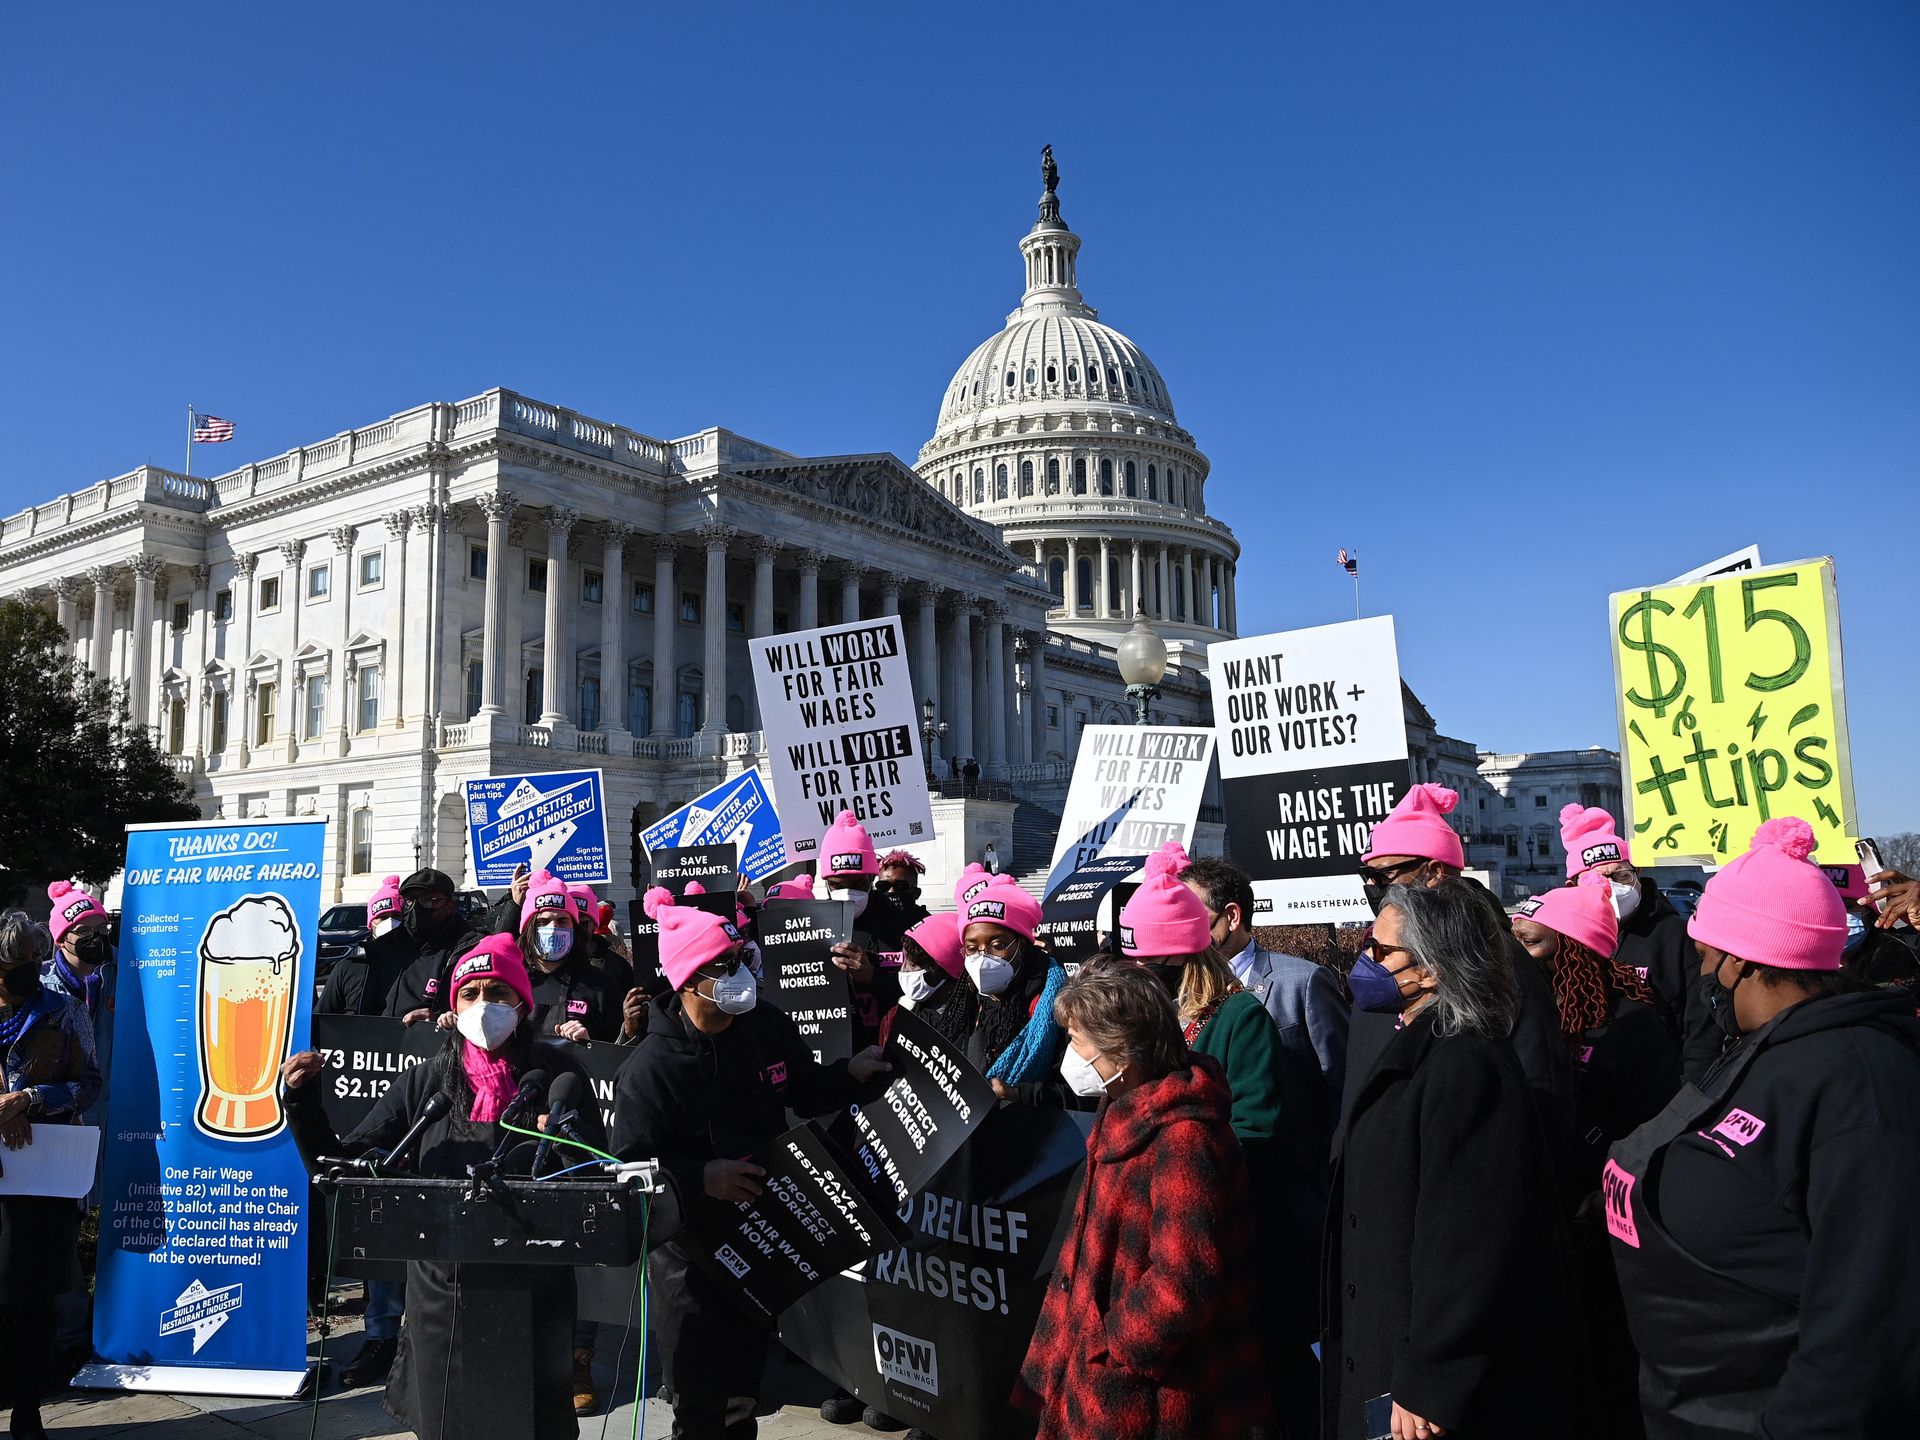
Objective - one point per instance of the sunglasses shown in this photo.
(1378, 875)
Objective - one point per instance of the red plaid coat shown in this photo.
(1146, 1332)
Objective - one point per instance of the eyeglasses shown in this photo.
(1379, 875)
(1001, 947)
(1380, 950)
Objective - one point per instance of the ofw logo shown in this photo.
(907, 1358)
(1599, 854)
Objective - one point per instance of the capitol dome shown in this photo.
(1060, 430)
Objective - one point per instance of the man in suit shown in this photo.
(1305, 1000)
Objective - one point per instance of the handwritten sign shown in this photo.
(1732, 711)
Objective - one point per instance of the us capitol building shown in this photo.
(500, 584)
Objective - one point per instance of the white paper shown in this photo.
(60, 1161)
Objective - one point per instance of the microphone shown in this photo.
(563, 1106)
(532, 1086)
(437, 1105)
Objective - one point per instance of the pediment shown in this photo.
(879, 489)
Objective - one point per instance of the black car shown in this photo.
(343, 930)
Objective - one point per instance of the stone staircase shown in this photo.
(1034, 831)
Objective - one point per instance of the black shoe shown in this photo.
(370, 1365)
(842, 1409)
(916, 1433)
(26, 1423)
(879, 1420)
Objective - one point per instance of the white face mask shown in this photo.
(750, 957)
(552, 941)
(737, 993)
(381, 927)
(1626, 899)
(1081, 1076)
(917, 986)
(989, 973)
(858, 899)
(488, 1024)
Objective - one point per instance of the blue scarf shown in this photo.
(1036, 1049)
(87, 989)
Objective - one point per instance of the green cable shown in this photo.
(562, 1140)
(640, 1371)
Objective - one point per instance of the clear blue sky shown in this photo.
(1527, 302)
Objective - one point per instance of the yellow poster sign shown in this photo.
(1732, 711)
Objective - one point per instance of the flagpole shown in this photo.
(189, 442)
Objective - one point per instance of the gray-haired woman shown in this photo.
(51, 1075)
(1446, 1299)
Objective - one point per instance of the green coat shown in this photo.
(1241, 1036)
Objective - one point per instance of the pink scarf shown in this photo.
(491, 1075)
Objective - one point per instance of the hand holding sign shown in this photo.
(734, 1182)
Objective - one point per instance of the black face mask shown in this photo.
(93, 949)
(1720, 1003)
(418, 920)
(1170, 976)
(1376, 896)
(22, 982)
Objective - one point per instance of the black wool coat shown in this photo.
(1445, 1280)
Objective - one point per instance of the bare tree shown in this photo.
(1901, 852)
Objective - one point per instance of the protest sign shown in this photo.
(1134, 788)
(809, 1221)
(933, 1331)
(715, 867)
(737, 812)
(1313, 753)
(556, 821)
(934, 1099)
(837, 707)
(1734, 564)
(1070, 915)
(796, 944)
(1732, 711)
(203, 1208)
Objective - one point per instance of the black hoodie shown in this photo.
(1654, 941)
(1800, 1185)
(687, 1097)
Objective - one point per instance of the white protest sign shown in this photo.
(1739, 560)
(838, 709)
(1134, 788)
(1313, 751)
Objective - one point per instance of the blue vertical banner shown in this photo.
(202, 1277)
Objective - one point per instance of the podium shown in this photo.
(571, 1222)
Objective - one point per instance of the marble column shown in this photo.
(66, 607)
(1072, 586)
(140, 640)
(1010, 746)
(764, 552)
(889, 593)
(344, 583)
(1104, 591)
(1186, 587)
(926, 645)
(100, 643)
(810, 563)
(613, 626)
(495, 644)
(556, 647)
(960, 704)
(393, 580)
(293, 703)
(199, 624)
(666, 685)
(239, 678)
(1037, 688)
(713, 621)
(850, 574)
(1232, 599)
(993, 634)
(1163, 587)
(1023, 651)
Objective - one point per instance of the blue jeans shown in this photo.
(386, 1301)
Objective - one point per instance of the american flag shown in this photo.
(211, 430)
(1348, 563)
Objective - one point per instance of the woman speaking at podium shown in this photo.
(447, 1378)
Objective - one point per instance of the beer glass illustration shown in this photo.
(249, 964)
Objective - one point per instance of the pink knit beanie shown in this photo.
(1773, 905)
(1002, 902)
(1582, 912)
(972, 881)
(71, 905)
(497, 956)
(586, 904)
(689, 938)
(547, 898)
(798, 888)
(1418, 827)
(385, 903)
(939, 936)
(847, 849)
(1591, 838)
(1164, 917)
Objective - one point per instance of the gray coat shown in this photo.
(1308, 1008)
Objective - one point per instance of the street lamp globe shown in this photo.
(1142, 658)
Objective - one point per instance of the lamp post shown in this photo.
(929, 731)
(1142, 656)
(416, 847)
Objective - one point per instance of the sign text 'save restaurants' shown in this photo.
(837, 707)
(1134, 788)
(1313, 752)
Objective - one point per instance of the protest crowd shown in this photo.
(1500, 1178)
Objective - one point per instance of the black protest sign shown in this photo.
(933, 1101)
(809, 1221)
(716, 867)
(1313, 754)
(935, 1332)
(365, 1056)
(1070, 915)
(798, 974)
